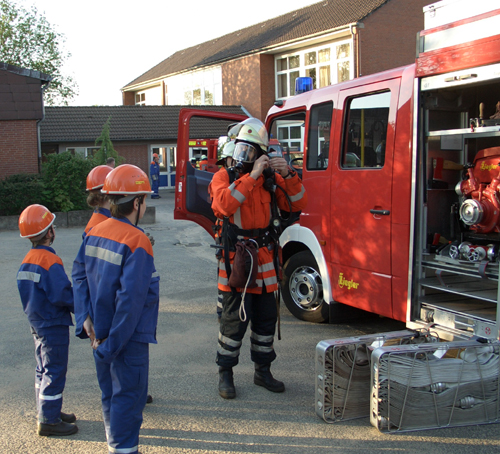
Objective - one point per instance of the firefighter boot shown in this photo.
(263, 377)
(226, 384)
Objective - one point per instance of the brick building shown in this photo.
(21, 109)
(330, 41)
(136, 132)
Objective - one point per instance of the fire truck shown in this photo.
(402, 173)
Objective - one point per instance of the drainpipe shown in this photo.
(39, 141)
(355, 28)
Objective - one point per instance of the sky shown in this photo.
(112, 42)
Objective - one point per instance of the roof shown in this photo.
(25, 72)
(21, 93)
(312, 20)
(84, 124)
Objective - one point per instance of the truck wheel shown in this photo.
(302, 288)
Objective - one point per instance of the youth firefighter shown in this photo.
(96, 199)
(47, 300)
(119, 289)
(248, 205)
(100, 202)
(154, 172)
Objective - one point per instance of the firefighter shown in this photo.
(226, 161)
(246, 205)
(47, 300)
(204, 162)
(193, 162)
(154, 172)
(120, 288)
(96, 199)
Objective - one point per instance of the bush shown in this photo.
(64, 176)
(19, 191)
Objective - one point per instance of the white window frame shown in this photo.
(142, 96)
(302, 69)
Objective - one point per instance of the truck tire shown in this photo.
(302, 288)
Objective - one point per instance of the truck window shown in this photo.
(289, 130)
(365, 130)
(318, 142)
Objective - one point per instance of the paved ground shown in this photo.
(187, 415)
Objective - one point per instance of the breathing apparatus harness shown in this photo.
(230, 235)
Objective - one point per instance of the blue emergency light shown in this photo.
(303, 84)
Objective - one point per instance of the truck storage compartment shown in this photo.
(343, 372)
(430, 386)
(457, 207)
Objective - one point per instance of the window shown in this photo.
(85, 151)
(140, 99)
(327, 64)
(365, 131)
(289, 130)
(318, 139)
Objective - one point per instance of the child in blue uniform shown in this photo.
(119, 288)
(47, 300)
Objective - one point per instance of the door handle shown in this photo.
(381, 212)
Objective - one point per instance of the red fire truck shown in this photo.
(402, 174)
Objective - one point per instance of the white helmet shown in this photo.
(227, 152)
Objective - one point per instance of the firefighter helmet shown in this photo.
(232, 130)
(252, 130)
(227, 152)
(35, 220)
(127, 179)
(203, 157)
(96, 177)
(155, 155)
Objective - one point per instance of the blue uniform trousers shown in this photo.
(155, 186)
(124, 387)
(51, 353)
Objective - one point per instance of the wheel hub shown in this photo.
(306, 289)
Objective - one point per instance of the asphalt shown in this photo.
(187, 415)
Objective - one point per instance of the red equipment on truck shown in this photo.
(402, 174)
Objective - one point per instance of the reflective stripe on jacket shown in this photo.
(248, 205)
(45, 289)
(118, 286)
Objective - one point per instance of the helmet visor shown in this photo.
(244, 152)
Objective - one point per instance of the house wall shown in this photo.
(19, 147)
(136, 153)
(389, 37)
(241, 84)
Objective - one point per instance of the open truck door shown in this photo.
(192, 202)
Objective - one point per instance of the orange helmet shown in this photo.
(155, 155)
(96, 177)
(126, 180)
(35, 220)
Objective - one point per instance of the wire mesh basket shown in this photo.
(343, 372)
(430, 386)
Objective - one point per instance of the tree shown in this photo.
(28, 40)
(106, 149)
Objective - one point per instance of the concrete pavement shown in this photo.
(187, 414)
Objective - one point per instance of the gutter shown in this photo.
(348, 27)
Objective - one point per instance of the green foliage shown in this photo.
(64, 176)
(19, 191)
(106, 149)
(28, 40)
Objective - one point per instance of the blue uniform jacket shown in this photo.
(45, 289)
(154, 170)
(118, 286)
